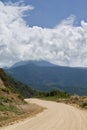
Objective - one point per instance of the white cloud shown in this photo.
(64, 45)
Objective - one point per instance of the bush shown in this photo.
(21, 97)
(10, 108)
(5, 100)
(6, 90)
(84, 104)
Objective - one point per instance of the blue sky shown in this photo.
(48, 13)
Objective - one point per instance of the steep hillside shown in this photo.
(15, 86)
(12, 104)
(73, 80)
(10, 99)
(7, 89)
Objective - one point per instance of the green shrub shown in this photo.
(20, 97)
(6, 90)
(84, 104)
(10, 108)
(5, 100)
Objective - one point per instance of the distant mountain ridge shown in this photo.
(35, 62)
(47, 77)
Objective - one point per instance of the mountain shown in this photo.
(47, 77)
(36, 62)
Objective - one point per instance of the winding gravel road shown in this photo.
(57, 116)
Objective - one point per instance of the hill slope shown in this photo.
(12, 104)
(73, 80)
(10, 98)
(7, 89)
(15, 86)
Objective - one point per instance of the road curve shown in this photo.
(57, 116)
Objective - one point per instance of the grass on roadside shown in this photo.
(3, 118)
(10, 108)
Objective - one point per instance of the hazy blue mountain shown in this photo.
(45, 76)
(36, 62)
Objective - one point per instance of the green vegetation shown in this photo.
(24, 90)
(10, 108)
(60, 96)
(10, 97)
(16, 87)
(53, 95)
(84, 104)
(3, 118)
(7, 90)
(5, 100)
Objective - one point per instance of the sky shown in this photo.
(52, 30)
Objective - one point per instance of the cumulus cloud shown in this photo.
(64, 44)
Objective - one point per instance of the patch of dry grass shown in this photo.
(26, 111)
(79, 101)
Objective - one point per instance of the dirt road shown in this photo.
(57, 116)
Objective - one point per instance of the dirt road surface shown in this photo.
(57, 116)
